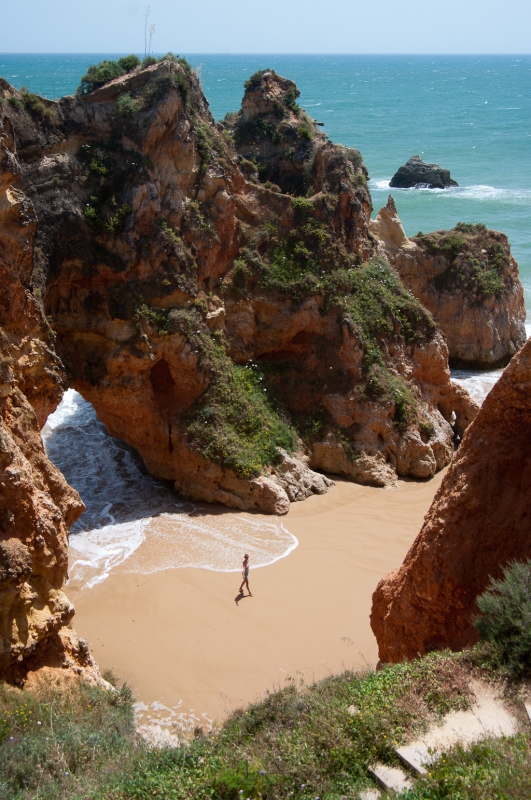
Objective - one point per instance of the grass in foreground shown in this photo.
(300, 742)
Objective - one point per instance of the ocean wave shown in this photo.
(477, 383)
(134, 523)
(478, 192)
(210, 541)
(96, 553)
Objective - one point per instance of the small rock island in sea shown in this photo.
(417, 173)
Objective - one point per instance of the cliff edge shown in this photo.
(478, 522)
(37, 507)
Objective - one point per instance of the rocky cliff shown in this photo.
(37, 506)
(468, 279)
(478, 522)
(216, 295)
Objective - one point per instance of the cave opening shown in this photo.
(164, 388)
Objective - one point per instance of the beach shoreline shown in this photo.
(191, 653)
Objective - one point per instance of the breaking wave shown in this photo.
(134, 523)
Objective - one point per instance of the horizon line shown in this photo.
(212, 53)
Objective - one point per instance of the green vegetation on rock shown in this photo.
(306, 260)
(99, 74)
(37, 107)
(107, 70)
(478, 259)
(110, 169)
(495, 768)
(506, 617)
(62, 742)
(378, 306)
(236, 423)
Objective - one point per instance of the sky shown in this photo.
(267, 26)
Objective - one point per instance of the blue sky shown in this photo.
(268, 26)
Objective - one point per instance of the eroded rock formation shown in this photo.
(417, 173)
(478, 522)
(37, 506)
(468, 279)
(216, 295)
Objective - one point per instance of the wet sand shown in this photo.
(180, 638)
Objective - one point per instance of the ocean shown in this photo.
(471, 114)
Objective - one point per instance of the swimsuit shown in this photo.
(246, 573)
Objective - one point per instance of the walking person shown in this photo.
(245, 575)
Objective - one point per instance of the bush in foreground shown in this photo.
(506, 617)
(62, 741)
(299, 743)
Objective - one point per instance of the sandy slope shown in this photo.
(179, 635)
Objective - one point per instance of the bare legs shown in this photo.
(245, 582)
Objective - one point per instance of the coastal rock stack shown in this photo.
(416, 173)
(468, 279)
(478, 522)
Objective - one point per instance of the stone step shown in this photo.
(370, 794)
(390, 778)
(417, 757)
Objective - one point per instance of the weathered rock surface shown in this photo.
(478, 522)
(417, 173)
(37, 507)
(207, 283)
(468, 279)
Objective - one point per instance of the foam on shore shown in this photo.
(134, 523)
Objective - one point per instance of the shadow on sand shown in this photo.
(241, 596)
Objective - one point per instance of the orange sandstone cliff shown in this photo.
(37, 506)
(468, 279)
(216, 294)
(215, 291)
(478, 522)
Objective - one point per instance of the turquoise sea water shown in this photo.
(471, 114)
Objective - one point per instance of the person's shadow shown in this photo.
(240, 596)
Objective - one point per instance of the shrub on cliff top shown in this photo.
(506, 617)
(105, 71)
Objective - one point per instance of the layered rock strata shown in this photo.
(478, 522)
(37, 506)
(468, 279)
(217, 297)
(417, 173)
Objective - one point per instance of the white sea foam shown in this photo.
(94, 554)
(134, 523)
(478, 192)
(477, 383)
(211, 542)
(379, 185)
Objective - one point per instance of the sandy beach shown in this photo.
(180, 639)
